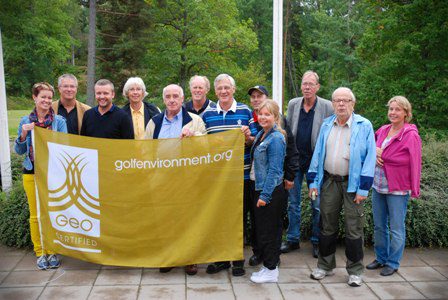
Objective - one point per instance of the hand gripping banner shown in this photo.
(150, 203)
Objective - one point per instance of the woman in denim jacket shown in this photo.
(42, 116)
(268, 153)
(397, 177)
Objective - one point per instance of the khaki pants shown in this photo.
(334, 198)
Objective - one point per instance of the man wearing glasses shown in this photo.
(67, 106)
(341, 172)
(305, 117)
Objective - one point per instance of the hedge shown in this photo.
(427, 216)
(426, 221)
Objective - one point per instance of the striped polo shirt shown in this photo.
(239, 114)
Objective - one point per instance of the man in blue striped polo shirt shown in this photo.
(229, 114)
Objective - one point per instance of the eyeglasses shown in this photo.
(344, 100)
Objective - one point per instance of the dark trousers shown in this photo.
(268, 220)
(249, 213)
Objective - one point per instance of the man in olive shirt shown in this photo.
(68, 107)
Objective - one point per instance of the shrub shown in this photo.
(427, 216)
(14, 215)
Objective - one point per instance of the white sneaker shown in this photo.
(319, 274)
(354, 280)
(261, 271)
(265, 276)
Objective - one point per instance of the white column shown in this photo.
(5, 155)
(277, 53)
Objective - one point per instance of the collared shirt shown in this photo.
(190, 107)
(338, 148)
(232, 108)
(303, 137)
(171, 128)
(238, 115)
(138, 121)
(70, 117)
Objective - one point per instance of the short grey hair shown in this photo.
(67, 76)
(222, 77)
(206, 81)
(131, 82)
(104, 82)
(345, 89)
(311, 72)
(171, 85)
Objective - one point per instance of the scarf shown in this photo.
(47, 123)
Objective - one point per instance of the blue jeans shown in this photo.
(295, 209)
(389, 213)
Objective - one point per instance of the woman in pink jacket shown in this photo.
(397, 177)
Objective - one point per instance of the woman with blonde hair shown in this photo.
(397, 177)
(42, 116)
(268, 154)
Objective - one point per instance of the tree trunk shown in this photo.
(91, 54)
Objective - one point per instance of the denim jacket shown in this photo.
(362, 156)
(59, 125)
(268, 158)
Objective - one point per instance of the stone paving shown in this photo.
(422, 275)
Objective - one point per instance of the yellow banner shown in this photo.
(150, 203)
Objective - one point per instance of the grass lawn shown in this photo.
(14, 120)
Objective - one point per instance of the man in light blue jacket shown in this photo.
(341, 172)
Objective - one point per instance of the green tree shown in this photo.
(323, 35)
(123, 35)
(404, 50)
(199, 37)
(36, 40)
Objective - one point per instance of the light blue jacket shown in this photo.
(59, 125)
(268, 158)
(362, 156)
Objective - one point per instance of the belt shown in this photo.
(337, 178)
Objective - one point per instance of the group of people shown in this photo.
(321, 140)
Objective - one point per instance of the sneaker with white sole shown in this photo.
(354, 280)
(42, 263)
(319, 274)
(261, 271)
(266, 275)
(53, 261)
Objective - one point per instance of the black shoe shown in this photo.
(387, 271)
(217, 267)
(238, 271)
(289, 246)
(165, 270)
(315, 250)
(254, 260)
(374, 265)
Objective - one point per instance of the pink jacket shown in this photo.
(402, 158)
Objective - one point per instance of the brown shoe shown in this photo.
(191, 269)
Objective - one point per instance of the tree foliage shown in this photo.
(404, 52)
(198, 37)
(379, 48)
(36, 40)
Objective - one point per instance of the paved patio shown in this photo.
(423, 275)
